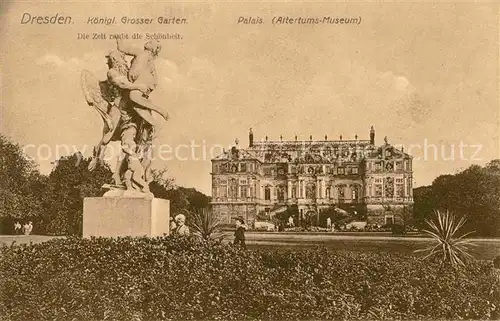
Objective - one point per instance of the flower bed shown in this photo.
(182, 279)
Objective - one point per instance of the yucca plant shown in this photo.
(448, 243)
(206, 224)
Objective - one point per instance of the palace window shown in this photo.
(378, 190)
(281, 193)
(378, 166)
(389, 219)
(223, 189)
(389, 187)
(320, 190)
(243, 167)
(340, 171)
(244, 191)
(400, 189)
(267, 193)
(340, 191)
(349, 170)
(355, 170)
(294, 191)
(399, 166)
(216, 168)
(407, 165)
(233, 189)
(328, 192)
(355, 193)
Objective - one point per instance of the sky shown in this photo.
(424, 75)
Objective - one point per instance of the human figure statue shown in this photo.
(106, 98)
(134, 173)
(329, 223)
(123, 103)
(290, 221)
(143, 70)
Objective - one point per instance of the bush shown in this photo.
(172, 278)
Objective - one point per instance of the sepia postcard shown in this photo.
(267, 160)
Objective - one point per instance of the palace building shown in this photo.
(313, 177)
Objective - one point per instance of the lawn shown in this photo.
(486, 249)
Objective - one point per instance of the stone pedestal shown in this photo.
(125, 216)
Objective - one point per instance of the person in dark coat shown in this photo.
(239, 234)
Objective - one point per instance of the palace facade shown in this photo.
(369, 182)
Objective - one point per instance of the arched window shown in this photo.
(281, 193)
(355, 193)
(223, 189)
(267, 193)
(340, 192)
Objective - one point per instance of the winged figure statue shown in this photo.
(122, 101)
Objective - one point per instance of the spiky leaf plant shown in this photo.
(206, 224)
(448, 243)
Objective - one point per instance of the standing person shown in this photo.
(239, 234)
(30, 227)
(26, 229)
(17, 228)
(182, 228)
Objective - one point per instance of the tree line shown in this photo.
(473, 193)
(54, 202)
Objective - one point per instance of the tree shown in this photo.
(68, 184)
(473, 193)
(20, 185)
(181, 199)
